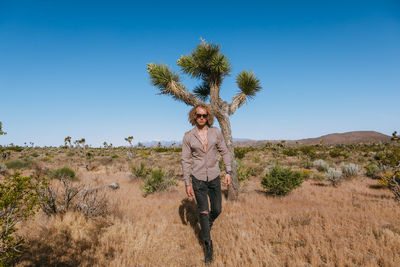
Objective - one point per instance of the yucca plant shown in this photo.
(207, 64)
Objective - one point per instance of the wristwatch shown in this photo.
(228, 172)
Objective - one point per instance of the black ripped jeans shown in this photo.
(203, 190)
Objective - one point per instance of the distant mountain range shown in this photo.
(354, 137)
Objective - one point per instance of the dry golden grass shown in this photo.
(354, 224)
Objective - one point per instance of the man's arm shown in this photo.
(186, 160)
(223, 150)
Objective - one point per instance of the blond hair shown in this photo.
(193, 114)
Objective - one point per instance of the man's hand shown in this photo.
(228, 179)
(189, 191)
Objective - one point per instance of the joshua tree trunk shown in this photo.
(225, 125)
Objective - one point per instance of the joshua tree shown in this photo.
(1, 129)
(82, 142)
(395, 137)
(207, 64)
(129, 140)
(68, 140)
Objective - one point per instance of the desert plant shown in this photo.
(318, 176)
(290, 151)
(305, 173)
(158, 180)
(376, 170)
(18, 201)
(141, 171)
(321, 165)
(3, 169)
(208, 64)
(392, 180)
(64, 172)
(334, 176)
(18, 164)
(243, 172)
(73, 197)
(349, 170)
(281, 180)
(239, 152)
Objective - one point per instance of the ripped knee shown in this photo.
(204, 212)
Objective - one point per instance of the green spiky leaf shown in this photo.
(202, 91)
(248, 83)
(161, 75)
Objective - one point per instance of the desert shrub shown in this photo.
(281, 180)
(307, 164)
(242, 172)
(64, 172)
(318, 176)
(240, 152)
(371, 170)
(91, 202)
(320, 165)
(141, 171)
(18, 164)
(255, 171)
(158, 180)
(35, 154)
(114, 156)
(256, 158)
(3, 169)
(349, 170)
(70, 154)
(290, 151)
(18, 201)
(335, 152)
(389, 157)
(391, 179)
(308, 151)
(376, 170)
(334, 176)
(144, 154)
(14, 148)
(305, 174)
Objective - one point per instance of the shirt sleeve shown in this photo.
(223, 150)
(186, 160)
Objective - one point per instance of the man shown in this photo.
(201, 144)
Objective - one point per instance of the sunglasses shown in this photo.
(202, 115)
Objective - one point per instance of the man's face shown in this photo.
(201, 116)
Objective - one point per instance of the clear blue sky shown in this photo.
(78, 68)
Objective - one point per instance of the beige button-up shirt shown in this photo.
(205, 165)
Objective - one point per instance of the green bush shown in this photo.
(281, 180)
(18, 201)
(240, 152)
(18, 164)
(242, 172)
(141, 172)
(290, 151)
(63, 173)
(158, 180)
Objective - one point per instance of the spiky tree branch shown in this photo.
(168, 83)
(249, 85)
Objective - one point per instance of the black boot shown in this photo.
(209, 251)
